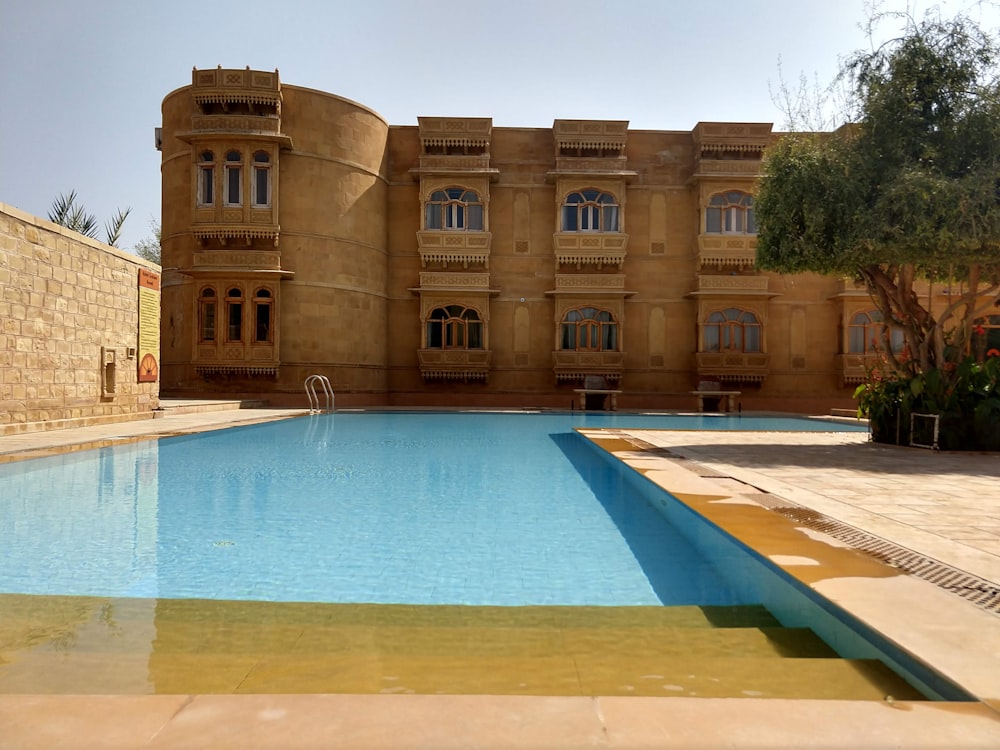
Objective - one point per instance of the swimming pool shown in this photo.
(400, 552)
(407, 508)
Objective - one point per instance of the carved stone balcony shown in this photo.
(232, 233)
(228, 85)
(724, 286)
(602, 165)
(227, 263)
(856, 368)
(590, 284)
(596, 248)
(732, 137)
(454, 282)
(606, 135)
(444, 246)
(733, 367)
(456, 164)
(237, 259)
(573, 366)
(727, 250)
(454, 364)
(728, 168)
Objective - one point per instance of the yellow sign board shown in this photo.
(149, 326)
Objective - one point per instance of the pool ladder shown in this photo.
(324, 384)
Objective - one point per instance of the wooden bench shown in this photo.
(712, 392)
(597, 385)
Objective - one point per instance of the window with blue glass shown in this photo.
(730, 213)
(588, 329)
(590, 211)
(454, 327)
(732, 330)
(454, 208)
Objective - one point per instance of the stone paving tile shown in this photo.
(943, 505)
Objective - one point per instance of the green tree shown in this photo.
(149, 247)
(909, 191)
(66, 212)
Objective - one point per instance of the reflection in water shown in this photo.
(75, 523)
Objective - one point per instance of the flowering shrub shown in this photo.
(965, 395)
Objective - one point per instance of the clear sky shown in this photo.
(81, 81)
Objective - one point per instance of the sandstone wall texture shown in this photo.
(69, 311)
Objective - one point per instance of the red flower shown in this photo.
(979, 331)
(993, 353)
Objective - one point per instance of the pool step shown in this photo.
(92, 645)
(557, 674)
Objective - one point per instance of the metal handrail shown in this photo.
(310, 385)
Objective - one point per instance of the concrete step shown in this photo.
(196, 406)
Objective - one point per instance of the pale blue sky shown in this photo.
(81, 81)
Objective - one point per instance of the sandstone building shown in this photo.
(454, 262)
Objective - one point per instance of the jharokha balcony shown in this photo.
(454, 364)
(448, 246)
(573, 366)
(727, 251)
(593, 248)
(733, 367)
(856, 368)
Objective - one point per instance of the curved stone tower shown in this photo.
(274, 232)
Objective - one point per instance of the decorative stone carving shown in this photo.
(236, 124)
(233, 85)
(249, 259)
(732, 283)
(571, 366)
(589, 134)
(590, 282)
(430, 280)
(733, 367)
(442, 246)
(454, 364)
(727, 250)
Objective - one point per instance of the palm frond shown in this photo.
(113, 228)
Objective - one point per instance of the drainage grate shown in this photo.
(980, 591)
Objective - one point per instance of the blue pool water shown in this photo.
(415, 508)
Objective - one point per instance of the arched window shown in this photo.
(234, 314)
(589, 329)
(454, 327)
(261, 180)
(206, 178)
(732, 330)
(730, 213)
(206, 314)
(590, 211)
(986, 337)
(262, 311)
(234, 183)
(864, 334)
(454, 208)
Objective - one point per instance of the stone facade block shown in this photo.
(64, 297)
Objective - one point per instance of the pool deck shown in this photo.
(937, 507)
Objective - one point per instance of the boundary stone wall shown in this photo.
(69, 328)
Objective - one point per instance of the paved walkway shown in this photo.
(945, 506)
